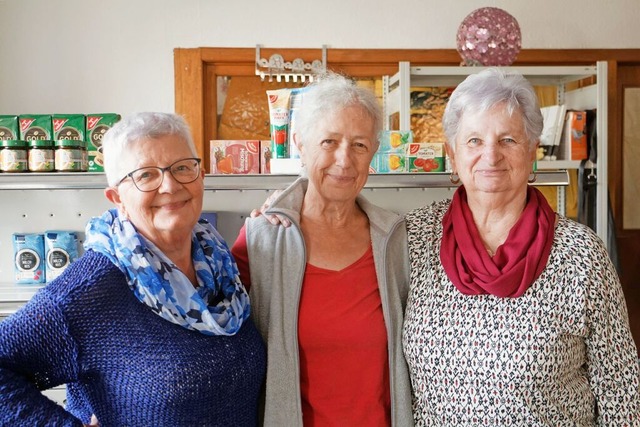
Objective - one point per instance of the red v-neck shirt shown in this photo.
(344, 369)
(342, 340)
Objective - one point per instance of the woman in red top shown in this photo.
(328, 292)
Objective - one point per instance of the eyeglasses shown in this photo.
(150, 178)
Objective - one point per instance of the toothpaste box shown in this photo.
(28, 252)
(235, 157)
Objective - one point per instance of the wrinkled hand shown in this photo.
(273, 219)
(94, 422)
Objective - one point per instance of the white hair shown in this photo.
(488, 88)
(137, 127)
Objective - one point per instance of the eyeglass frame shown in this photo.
(162, 171)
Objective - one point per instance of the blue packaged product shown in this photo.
(212, 217)
(61, 249)
(28, 252)
(295, 102)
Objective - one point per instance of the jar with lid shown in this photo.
(41, 155)
(13, 155)
(71, 155)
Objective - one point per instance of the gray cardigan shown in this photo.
(275, 295)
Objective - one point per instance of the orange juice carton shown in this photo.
(425, 157)
(394, 141)
(388, 163)
(235, 157)
(265, 156)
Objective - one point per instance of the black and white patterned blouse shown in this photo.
(560, 355)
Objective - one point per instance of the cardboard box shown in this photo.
(394, 141)
(426, 157)
(235, 157)
(388, 163)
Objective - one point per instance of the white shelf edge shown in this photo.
(558, 164)
(16, 294)
(444, 76)
(97, 181)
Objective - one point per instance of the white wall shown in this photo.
(80, 56)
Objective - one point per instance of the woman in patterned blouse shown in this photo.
(515, 314)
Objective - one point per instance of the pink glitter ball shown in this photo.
(489, 36)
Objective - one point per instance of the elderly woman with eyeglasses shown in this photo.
(151, 326)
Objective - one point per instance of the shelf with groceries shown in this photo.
(90, 180)
(415, 97)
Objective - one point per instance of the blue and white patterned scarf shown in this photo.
(220, 303)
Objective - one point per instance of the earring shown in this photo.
(533, 178)
(454, 178)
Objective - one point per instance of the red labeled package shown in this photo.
(265, 156)
(235, 157)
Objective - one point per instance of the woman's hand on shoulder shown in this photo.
(273, 219)
(94, 422)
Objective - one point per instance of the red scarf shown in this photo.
(518, 261)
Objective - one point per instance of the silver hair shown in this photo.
(488, 88)
(329, 93)
(135, 128)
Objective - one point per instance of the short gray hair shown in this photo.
(136, 127)
(488, 88)
(331, 92)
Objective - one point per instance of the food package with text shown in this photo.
(235, 157)
(426, 157)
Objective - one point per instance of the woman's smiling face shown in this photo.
(338, 153)
(492, 152)
(173, 209)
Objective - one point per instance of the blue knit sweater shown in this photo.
(121, 361)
